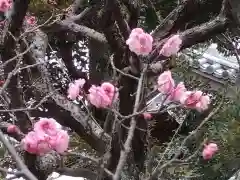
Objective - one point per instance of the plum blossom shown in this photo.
(75, 89)
(31, 20)
(195, 100)
(60, 142)
(47, 135)
(209, 151)
(110, 90)
(190, 99)
(166, 83)
(48, 126)
(36, 143)
(147, 116)
(203, 104)
(140, 42)
(1, 82)
(98, 97)
(177, 92)
(172, 46)
(5, 5)
(102, 96)
(13, 129)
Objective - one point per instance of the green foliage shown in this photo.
(223, 128)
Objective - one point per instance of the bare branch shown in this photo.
(133, 123)
(84, 124)
(15, 156)
(207, 30)
(159, 167)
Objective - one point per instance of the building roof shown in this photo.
(213, 65)
(210, 64)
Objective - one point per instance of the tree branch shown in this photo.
(12, 31)
(207, 30)
(71, 26)
(177, 18)
(84, 123)
(202, 32)
(133, 123)
(15, 156)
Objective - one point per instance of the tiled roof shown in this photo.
(215, 66)
(211, 64)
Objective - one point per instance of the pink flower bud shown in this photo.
(31, 20)
(172, 46)
(147, 116)
(195, 100)
(12, 129)
(177, 92)
(209, 151)
(166, 83)
(75, 89)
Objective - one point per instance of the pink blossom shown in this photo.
(98, 97)
(31, 20)
(102, 96)
(166, 83)
(46, 136)
(1, 82)
(110, 90)
(13, 129)
(177, 93)
(191, 98)
(36, 143)
(2, 23)
(60, 142)
(5, 5)
(172, 46)
(140, 42)
(203, 103)
(209, 150)
(195, 100)
(75, 89)
(48, 126)
(147, 116)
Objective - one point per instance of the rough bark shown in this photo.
(81, 122)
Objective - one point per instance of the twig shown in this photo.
(15, 57)
(33, 108)
(121, 72)
(133, 124)
(9, 77)
(91, 33)
(90, 158)
(234, 49)
(15, 156)
(37, 27)
(158, 168)
(30, 66)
